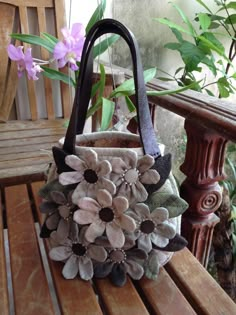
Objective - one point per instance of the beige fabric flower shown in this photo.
(89, 173)
(130, 173)
(105, 214)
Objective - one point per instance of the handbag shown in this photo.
(111, 203)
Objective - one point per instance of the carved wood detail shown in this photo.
(204, 167)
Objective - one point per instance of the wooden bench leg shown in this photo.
(203, 167)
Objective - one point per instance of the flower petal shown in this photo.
(76, 163)
(159, 240)
(58, 197)
(103, 168)
(142, 210)
(97, 253)
(103, 270)
(115, 235)
(150, 177)
(62, 230)
(104, 198)
(94, 230)
(91, 158)
(105, 183)
(118, 165)
(134, 269)
(60, 253)
(84, 217)
(118, 275)
(71, 267)
(127, 223)
(120, 204)
(89, 204)
(166, 230)
(52, 221)
(159, 215)
(144, 243)
(48, 206)
(145, 163)
(139, 193)
(68, 178)
(85, 268)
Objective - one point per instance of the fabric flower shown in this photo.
(105, 214)
(24, 61)
(89, 173)
(130, 173)
(60, 210)
(121, 261)
(70, 49)
(77, 254)
(152, 227)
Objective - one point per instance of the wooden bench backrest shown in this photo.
(17, 17)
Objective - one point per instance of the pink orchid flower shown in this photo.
(24, 61)
(70, 49)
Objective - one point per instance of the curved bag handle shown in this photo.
(83, 90)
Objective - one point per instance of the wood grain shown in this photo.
(75, 296)
(197, 285)
(31, 293)
(4, 306)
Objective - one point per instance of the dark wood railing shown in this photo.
(209, 124)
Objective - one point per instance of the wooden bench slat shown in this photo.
(4, 306)
(164, 296)
(19, 134)
(76, 296)
(120, 301)
(31, 293)
(22, 174)
(198, 286)
(15, 125)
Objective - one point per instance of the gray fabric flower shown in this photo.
(89, 172)
(129, 173)
(121, 261)
(105, 214)
(60, 211)
(78, 254)
(152, 227)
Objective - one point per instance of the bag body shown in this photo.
(111, 203)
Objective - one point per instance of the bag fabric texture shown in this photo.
(111, 203)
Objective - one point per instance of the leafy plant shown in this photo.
(204, 47)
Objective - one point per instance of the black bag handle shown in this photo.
(84, 86)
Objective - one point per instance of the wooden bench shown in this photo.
(32, 284)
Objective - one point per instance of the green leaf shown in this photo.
(130, 104)
(192, 55)
(175, 91)
(172, 25)
(127, 88)
(204, 5)
(223, 87)
(204, 20)
(174, 204)
(185, 19)
(57, 75)
(231, 19)
(95, 88)
(104, 45)
(50, 38)
(97, 15)
(172, 46)
(108, 108)
(102, 80)
(34, 40)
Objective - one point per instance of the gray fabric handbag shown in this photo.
(112, 206)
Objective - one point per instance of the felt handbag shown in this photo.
(111, 203)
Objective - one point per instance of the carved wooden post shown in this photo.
(203, 166)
